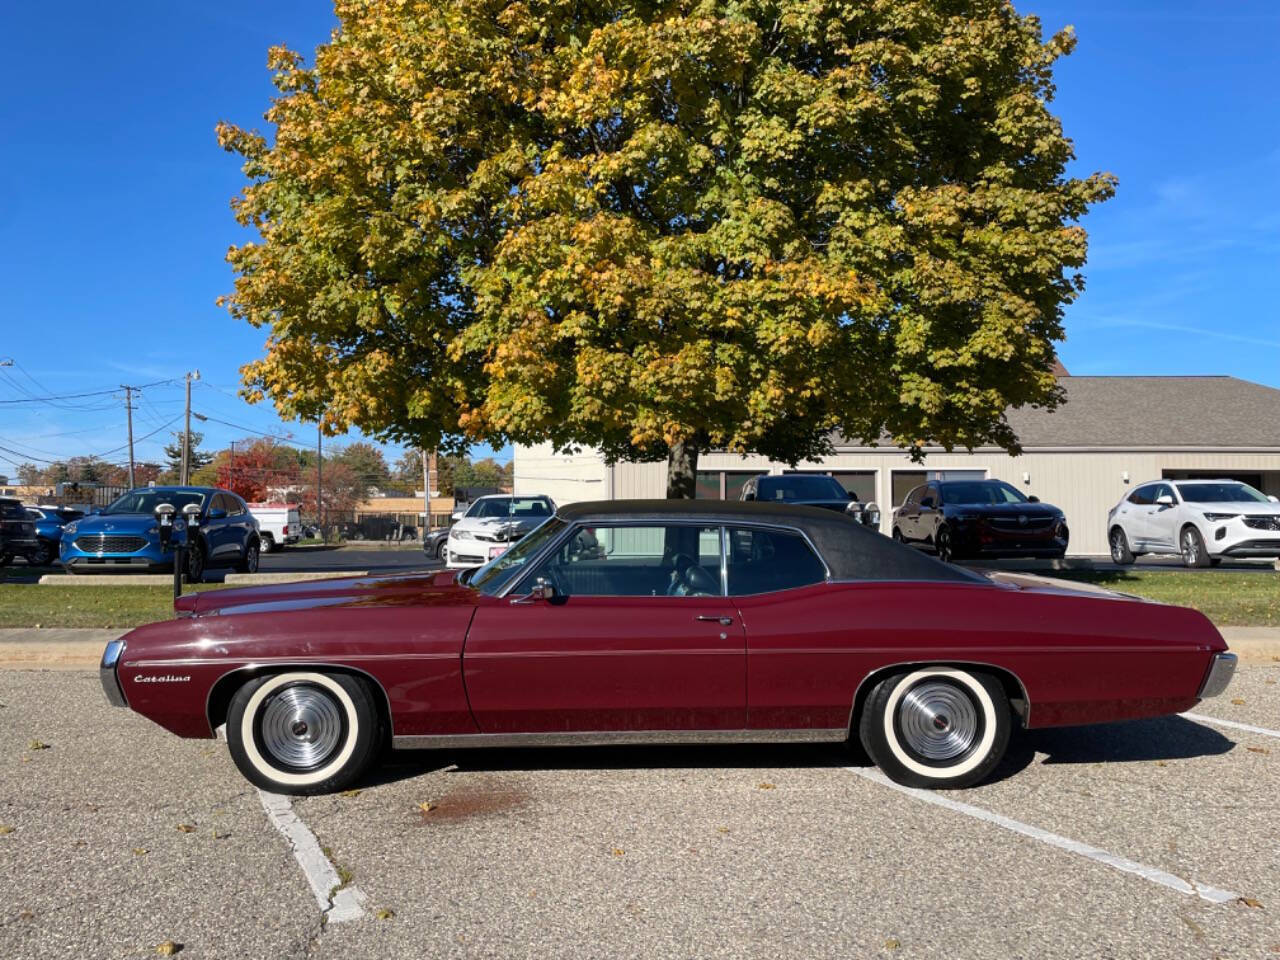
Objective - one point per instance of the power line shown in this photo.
(76, 396)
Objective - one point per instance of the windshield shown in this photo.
(1220, 493)
(495, 574)
(521, 508)
(796, 486)
(146, 501)
(980, 492)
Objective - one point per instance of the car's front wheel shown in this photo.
(303, 732)
(942, 544)
(1193, 550)
(936, 727)
(42, 555)
(251, 557)
(1121, 555)
(442, 551)
(195, 562)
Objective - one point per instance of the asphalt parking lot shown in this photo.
(118, 837)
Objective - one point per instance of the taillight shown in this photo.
(285, 530)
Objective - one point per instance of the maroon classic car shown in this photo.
(662, 622)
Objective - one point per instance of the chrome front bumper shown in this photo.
(107, 674)
(1220, 673)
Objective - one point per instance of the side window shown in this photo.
(913, 498)
(222, 502)
(660, 560)
(1143, 496)
(234, 509)
(763, 561)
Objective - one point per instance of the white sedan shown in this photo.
(1202, 520)
(490, 525)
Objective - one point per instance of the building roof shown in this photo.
(1154, 413)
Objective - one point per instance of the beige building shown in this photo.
(1112, 434)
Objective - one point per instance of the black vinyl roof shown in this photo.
(851, 550)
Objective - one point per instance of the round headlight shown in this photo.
(69, 528)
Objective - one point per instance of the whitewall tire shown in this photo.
(303, 732)
(936, 726)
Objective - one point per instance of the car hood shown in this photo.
(496, 525)
(117, 523)
(1248, 507)
(421, 590)
(1005, 509)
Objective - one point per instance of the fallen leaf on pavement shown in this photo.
(139, 851)
(37, 745)
(1251, 902)
(5, 828)
(186, 828)
(355, 792)
(385, 914)
(722, 829)
(1238, 701)
(767, 786)
(1263, 750)
(168, 948)
(426, 806)
(618, 851)
(892, 943)
(220, 836)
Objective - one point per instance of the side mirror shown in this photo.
(217, 513)
(1273, 498)
(1033, 499)
(542, 589)
(1164, 500)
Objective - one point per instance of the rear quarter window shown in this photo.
(766, 561)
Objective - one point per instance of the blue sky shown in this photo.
(116, 218)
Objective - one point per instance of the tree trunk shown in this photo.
(682, 470)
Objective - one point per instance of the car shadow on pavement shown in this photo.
(401, 765)
(1133, 741)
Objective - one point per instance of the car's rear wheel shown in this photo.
(937, 727)
(1193, 551)
(269, 544)
(251, 557)
(1120, 552)
(303, 732)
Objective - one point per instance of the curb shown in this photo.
(248, 579)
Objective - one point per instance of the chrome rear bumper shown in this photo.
(1220, 673)
(107, 674)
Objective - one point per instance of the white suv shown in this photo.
(1203, 520)
(491, 524)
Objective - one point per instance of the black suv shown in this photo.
(17, 531)
(979, 518)
(810, 490)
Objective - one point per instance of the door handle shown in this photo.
(723, 621)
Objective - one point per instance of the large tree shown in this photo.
(660, 228)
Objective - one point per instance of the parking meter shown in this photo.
(191, 519)
(164, 520)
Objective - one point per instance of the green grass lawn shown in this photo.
(30, 605)
(1228, 599)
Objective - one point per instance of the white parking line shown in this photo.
(339, 905)
(1201, 718)
(1191, 888)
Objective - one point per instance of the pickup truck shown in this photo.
(278, 524)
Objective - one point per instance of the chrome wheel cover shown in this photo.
(1190, 549)
(937, 721)
(1116, 551)
(300, 727)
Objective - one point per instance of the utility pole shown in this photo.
(426, 495)
(186, 432)
(320, 478)
(128, 406)
(231, 478)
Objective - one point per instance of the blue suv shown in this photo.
(126, 536)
